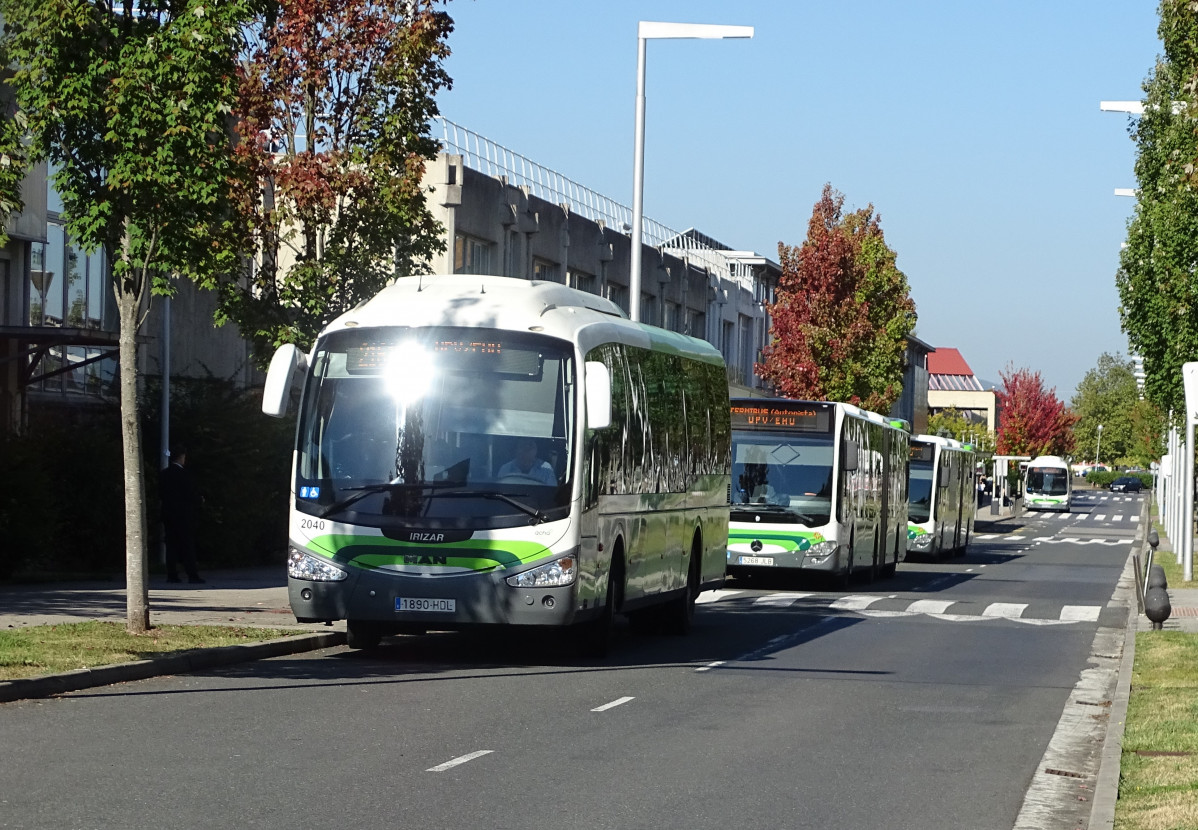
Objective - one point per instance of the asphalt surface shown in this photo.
(258, 598)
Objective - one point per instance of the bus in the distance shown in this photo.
(817, 487)
(942, 496)
(477, 450)
(1048, 484)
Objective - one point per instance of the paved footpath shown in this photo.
(254, 597)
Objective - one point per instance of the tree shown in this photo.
(130, 104)
(1032, 420)
(1158, 285)
(1106, 396)
(334, 112)
(952, 423)
(842, 314)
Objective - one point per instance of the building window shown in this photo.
(696, 323)
(618, 294)
(582, 281)
(471, 255)
(543, 269)
(673, 319)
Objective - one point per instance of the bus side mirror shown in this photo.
(280, 377)
(598, 388)
(848, 456)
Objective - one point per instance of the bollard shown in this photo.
(1156, 607)
(1153, 539)
(1156, 577)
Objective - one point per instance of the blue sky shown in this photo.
(972, 127)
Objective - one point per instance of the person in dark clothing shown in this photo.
(180, 516)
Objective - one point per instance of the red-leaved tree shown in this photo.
(1032, 420)
(842, 313)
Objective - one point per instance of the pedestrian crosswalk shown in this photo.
(872, 605)
(1051, 540)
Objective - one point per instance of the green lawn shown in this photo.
(50, 649)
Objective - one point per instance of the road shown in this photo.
(926, 701)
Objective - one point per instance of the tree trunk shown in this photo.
(137, 593)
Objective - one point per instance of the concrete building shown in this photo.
(502, 213)
(953, 385)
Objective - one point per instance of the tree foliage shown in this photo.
(1108, 396)
(335, 103)
(842, 313)
(130, 105)
(1157, 281)
(1032, 420)
(952, 423)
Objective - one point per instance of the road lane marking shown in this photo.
(1080, 613)
(620, 701)
(1118, 518)
(853, 603)
(1009, 610)
(930, 606)
(459, 760)
(1013, 538)
(711, 666)
(780, 599)
(715, 596)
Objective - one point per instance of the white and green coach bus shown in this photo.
(942, 496)
(1048, 484)
(817, 487)
(477, 450)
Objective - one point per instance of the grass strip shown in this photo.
(1158, 772)
(50, 649)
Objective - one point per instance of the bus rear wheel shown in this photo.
(680, 613)
(360, 634)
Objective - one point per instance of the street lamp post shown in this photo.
(1099, 447)
(648, 30)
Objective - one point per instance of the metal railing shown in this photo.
(493, 159)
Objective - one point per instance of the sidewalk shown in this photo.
(253, 598)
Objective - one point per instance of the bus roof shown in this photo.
(484, 301)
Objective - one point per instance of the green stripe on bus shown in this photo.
(478, 554)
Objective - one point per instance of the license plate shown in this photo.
(757, 560)
(446, 606)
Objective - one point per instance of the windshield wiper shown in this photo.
(535, 514)
(381, 487)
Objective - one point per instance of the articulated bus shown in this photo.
(478, 450)
(1048, 484)
(942, 503)
(817, 486)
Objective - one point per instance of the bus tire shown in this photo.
(680, 613)
(595, 637)
(360, 634)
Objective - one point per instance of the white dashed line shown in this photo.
(1010, 610)
(459, 760)
(1080, 613)
(853, 603)
(930, 606)
(711, 666)
(715, 596)
(620, 701)
(779, 599)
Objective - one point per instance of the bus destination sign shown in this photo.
(784, 417)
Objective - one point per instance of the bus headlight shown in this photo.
(822, 549)
(552, 574)
(306, 566)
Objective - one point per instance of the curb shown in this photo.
(1106, 788)
(181, 663)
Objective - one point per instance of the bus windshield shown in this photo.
(919, 498)
(1049, 481)
(790, 476)
(438, 427)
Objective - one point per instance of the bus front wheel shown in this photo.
(362, 635)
